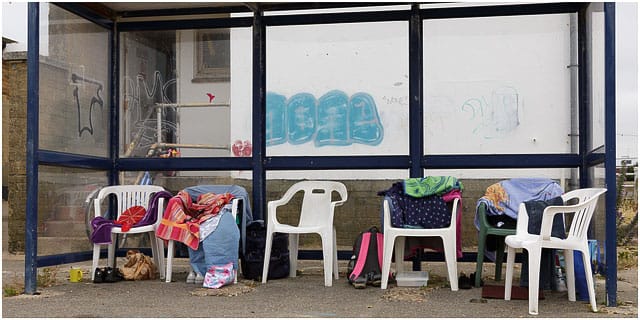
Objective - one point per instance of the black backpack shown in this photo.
(253, 258)
(365, 265)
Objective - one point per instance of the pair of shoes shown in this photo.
(472, 277)
(107, 274)
(464, 282)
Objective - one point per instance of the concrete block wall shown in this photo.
(360, 212)
(14, 98)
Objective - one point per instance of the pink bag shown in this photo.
(218, 276)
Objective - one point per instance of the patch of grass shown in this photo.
(47, 277)
(11, 290)
(627, 257)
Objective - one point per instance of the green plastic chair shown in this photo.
(485, 230)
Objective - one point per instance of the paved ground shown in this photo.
(301, 297)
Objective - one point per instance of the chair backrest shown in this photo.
(128, 196)
(316, 202)
(583, 210)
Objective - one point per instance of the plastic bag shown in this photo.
(218, 276)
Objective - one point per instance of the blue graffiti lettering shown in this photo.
(334, 119)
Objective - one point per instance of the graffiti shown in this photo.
(140, 97)
(242, 148)
(85, 123)
(498, 116)
(403, 101)
(211, 97)
(335, 119)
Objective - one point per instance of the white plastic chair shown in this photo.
(533, 243)
(393, 235)
(170, 246)
(316, 216)
(128, 196)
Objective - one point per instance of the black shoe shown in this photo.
(113, 275)
(472, 277)
(99, 275)
(359, 283)
(464, 282)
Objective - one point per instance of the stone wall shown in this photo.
(14, 99)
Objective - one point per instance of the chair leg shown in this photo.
(327, 258)
(534, 279)
(399, 253)
(499, 259)
(169, 272)
(162, 268)
(586, 261)
(452, 262)
(482, 239)
(508, 281)
(294, 239)
(111, 252)
(267, 255)
(387, 249)
(96, 260)
(335, 256)
(155, 252)
(571, 276)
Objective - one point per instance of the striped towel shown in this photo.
(182, 218)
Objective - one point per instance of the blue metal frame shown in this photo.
(33, 101)
(611, 255)
(259, 163)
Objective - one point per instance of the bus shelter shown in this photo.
(258, 93)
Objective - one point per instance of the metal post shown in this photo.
(259, 105)
(33, 101)
(416, 133)
(611, 255)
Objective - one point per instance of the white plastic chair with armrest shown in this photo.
(393, 235)
(533, 243)
(128, 196)
(235, 202)
(316, 216)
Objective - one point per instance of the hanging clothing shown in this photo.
(424, 212)
(101, 227)
(431, 185)
(182, 218)
(505, 196)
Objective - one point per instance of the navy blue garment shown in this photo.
(408, 212)
(535, 208)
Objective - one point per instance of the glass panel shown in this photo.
(598, 222)
(337, 89)
(497, 85)
(65, 209)
(360, 212)
(74, 84)
(595, 63)
(176, 92)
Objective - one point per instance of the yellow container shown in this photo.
(75, 275)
